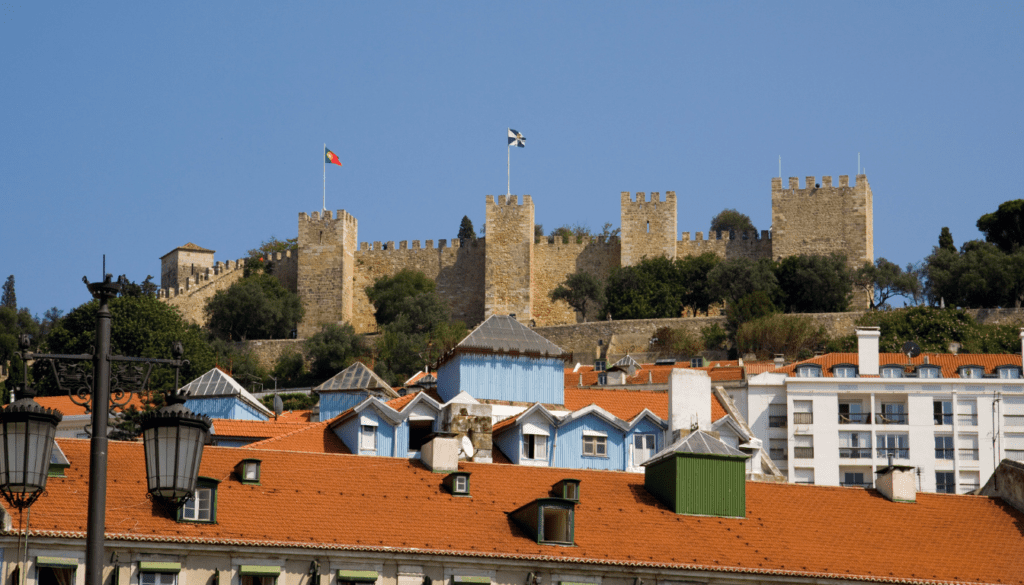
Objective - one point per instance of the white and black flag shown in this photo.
(516, 139)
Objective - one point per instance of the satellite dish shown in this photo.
(278, 405)
(467, 446)
(911, 349)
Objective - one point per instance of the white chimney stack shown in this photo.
(689, 401)
(897, 483)
(1022, 341)
(867, 350)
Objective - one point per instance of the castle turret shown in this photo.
(182, 263)
(648, 227)
(326, 263)
(508, 268)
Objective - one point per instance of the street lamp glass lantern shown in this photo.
(173, 438)
(28, 430)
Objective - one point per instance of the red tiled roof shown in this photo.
(311, 438)
(295, 416)
(67, 407)
(623, 403)
(789, 530)
(755, 368)
(948, 362)
(720, 371)
(401, 402)
(717, 410)
(225, 427)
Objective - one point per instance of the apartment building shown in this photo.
(837, 419)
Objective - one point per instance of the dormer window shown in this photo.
(202, 506)
(972, 372)
(249, 471)
(457, 483)
(600, 365)
(1008, 372)
(568, 489)
(548, 520)
(844, 371)
(892, 371)
(928, 372)
(808, 371)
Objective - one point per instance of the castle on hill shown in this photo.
(512, 272)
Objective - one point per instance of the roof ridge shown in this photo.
(278, 437)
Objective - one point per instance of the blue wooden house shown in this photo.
(350, 387)
(218, 395)
(376, 428)
(503, 359)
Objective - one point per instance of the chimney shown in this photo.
(780, 360)
(1022, 342)
(689, 401)
(897, 483)
(867, 350)
(469, 421)
(441, 453)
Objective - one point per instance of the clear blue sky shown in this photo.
(130, 129)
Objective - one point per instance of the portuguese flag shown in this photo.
(331, 157)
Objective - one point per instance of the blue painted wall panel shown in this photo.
(502, 377)
(510, 443)
(645, 427)
(244, 411)
(348, 432)
(334, 403)
(569, 452)
(228, 407)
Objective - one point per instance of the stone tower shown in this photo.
(648, 227)
(508, 268)
(823, 218)
(183, 262)
(326, 268)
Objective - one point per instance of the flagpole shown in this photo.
(509, 186)
(325, 177)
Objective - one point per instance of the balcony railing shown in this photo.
(968, 454)
(943, 419)
(854, 418)
(884, 452)
(891, 418)
(777, 421)
(778, 454)
(967, 420)
(855, 452)
(855, 484)
(944, 454)
(803, 452)
(803, 418)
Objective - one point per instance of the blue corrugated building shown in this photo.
(218, 395)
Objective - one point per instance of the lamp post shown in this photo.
(174, 437)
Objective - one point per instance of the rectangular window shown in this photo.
(600, 365)
(557, 524)
(944, 482)
(1009, 373)
(895, 444)
(258, 580)
(643, 448)
(854, 479)
(602, 378)
(967, 447)
(158, 578)
(419, 430)
(943, 410)
(854, 446)
(200, 507)
(803, 446)
(844, 372)
(893, 413)
(595, 446)
(803, 412)
(851, 413)
(778, 449)
(944, 447)
(969, 481)
(368, 438)
(803, 475)
(535, 447)
(777, 415)
(967, 413)
(461, 484)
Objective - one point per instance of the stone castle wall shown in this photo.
(648, 227)
(327, 248)
(727, 245)
(508, 266)
(553, 260)
(458, 271)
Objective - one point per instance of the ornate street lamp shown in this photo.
(28, 430)
(174, 438)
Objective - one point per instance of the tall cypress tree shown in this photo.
(9, 299)
(466, 231)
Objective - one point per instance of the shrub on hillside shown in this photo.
(791, 335)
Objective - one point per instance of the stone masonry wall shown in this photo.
(727, 245)
(326, 268)
(457, 270)
(179, 265)
(648, 227)
(508, 266)
(190, 299)
(554, 260)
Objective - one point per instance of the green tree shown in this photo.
(241, 362)
(260, 259)
(884, 280)
(538, 231)
(608, 231)
(579, 290)
(255, 307)
(1005, 226)
(980, 275)
(290, 401)
(736, 278)
(141, 326)
(8, 298)
(791, 335)
(751, 307)
(572, 233)
(410, 296)
(946, 240)
(815, 284)
(466, 231)
(700, 294)
(290, 371)
(14, 324)
(652, 289)
(333, 349)
(934, 329)
(677, 343)
(731, 220)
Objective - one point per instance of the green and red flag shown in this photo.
(331, 157)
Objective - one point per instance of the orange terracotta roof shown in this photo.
(717, 410)
(948, 362)
(720, 371)
(225, 427)
(400, 402)
(755, 368)
(789, 530)
(311, 438)
(623, 403)
(67, 407)
(295, 416)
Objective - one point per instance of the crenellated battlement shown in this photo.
(326, 216)
(512, 200)
(442, 244)
(582, 242)
(744, 236)
(641, 199)
(811, 186)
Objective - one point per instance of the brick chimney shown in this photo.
(867, 350)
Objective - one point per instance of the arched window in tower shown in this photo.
(321, 236)
(648, 227)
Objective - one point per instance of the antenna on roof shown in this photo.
(912, 350)
(278, 406)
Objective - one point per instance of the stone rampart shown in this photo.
(648, 226)
(191, 299)
(458, 271)
(268, 351)
(508, 264)
(727, 245)
(554, 260)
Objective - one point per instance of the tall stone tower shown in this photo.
(183, 262)
(508, 268)
(648, 227)
(326, 268)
